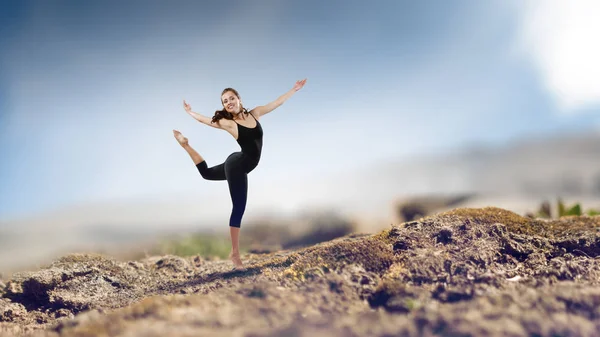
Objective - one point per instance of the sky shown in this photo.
(91, 91)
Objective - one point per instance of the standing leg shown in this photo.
(237, 180)
(234, 256)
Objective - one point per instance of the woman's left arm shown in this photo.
(265, 109)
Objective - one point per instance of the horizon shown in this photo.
(183, 211)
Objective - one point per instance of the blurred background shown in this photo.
(410, 108)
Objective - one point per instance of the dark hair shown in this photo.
(223, 113)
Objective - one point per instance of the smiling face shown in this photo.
(231, 102)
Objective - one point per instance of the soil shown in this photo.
(466, 272)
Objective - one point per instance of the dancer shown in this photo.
(245, 128)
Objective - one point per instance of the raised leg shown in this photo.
(209, 173)
(183, 141)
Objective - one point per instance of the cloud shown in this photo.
(560, 37)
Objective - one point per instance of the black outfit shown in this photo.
(236, 167)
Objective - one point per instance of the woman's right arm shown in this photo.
(200, 118)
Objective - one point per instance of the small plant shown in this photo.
(563, 210)
(593, 212)
(566, 211)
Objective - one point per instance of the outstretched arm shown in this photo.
(200, 118)
(265, 109)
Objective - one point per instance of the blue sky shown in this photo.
(90, 91)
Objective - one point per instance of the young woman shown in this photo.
(245, 128)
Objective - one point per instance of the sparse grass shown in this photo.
(255, 236)
(545, 210)
(576, 209)
(205, 245)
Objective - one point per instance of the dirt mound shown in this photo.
(466, 272)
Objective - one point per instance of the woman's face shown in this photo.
(230, 101)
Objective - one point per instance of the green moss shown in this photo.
(385, 236)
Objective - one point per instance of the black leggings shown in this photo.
(235, 170)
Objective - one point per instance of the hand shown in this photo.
(187, 107)
(299, 84)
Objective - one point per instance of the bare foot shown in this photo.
(180, 138)
(237, 261)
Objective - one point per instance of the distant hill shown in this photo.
(565, 165)
(531, 169)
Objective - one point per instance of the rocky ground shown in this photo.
(467, 272)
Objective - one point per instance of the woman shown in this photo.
(245, 128)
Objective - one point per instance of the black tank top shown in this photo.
(250, 140)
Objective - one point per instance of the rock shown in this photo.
(171, 263)
(10, 312)
(79, 282)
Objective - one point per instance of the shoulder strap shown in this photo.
(250, 112)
